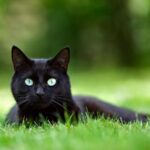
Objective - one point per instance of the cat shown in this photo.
(42, 89)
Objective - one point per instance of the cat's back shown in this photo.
(82, 102)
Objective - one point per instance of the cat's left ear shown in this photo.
(19, 59)
(61, 60)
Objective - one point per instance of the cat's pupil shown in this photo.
(51, 81)
(28, 82)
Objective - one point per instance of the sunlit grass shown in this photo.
(124, 88)
(95, 134)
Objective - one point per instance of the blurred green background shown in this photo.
(100, 33)
(109, 41)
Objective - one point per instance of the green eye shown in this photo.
(28, 82)
(51, 81)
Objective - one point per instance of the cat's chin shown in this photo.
(42, 105)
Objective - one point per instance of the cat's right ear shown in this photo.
(19, 59)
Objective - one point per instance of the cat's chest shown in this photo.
(50, 115)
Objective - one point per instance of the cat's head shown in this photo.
(39, 83)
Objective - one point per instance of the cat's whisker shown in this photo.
(64, 100)
(64, 97)
(64, 106)
(61, 105)
(55, 102)
(22, 102)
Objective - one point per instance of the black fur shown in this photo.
(51, 103)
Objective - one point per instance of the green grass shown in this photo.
(121, 87)
(95, 134)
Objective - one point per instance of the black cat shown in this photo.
(42, 89)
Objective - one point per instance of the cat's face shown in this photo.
(39, 83)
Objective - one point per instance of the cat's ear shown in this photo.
(61, 60)
(19, 59)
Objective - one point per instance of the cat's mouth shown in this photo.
(35, 102)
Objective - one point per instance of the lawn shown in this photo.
(125, 88)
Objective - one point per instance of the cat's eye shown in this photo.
(28, 82)
(51, 82)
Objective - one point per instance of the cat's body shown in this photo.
(41, 88)
(80, 105)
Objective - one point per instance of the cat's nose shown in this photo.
(40, 91)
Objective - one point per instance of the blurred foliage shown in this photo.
(100, 33)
